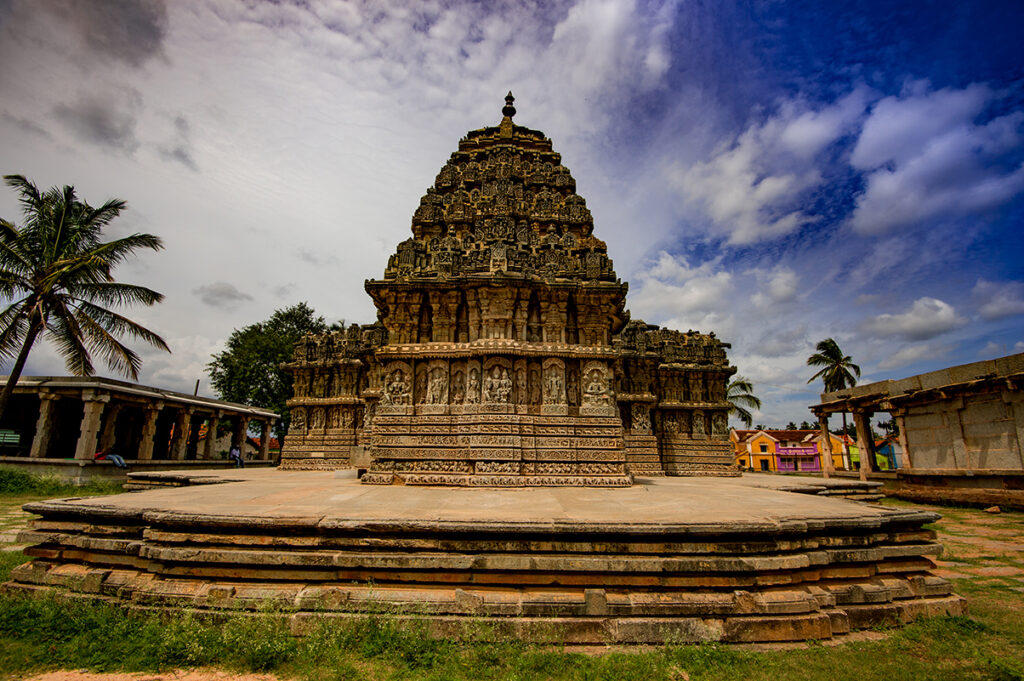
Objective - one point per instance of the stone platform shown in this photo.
(668, 559)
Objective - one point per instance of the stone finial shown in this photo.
(508, 110)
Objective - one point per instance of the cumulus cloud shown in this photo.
(926, 318)
(915, 353)
(752, 188)
(925, 156)
(998, 300)
(780, 285)
(671, 289)
(221, 294)
(106, 119)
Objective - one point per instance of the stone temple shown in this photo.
(565, 472)
(503, 354)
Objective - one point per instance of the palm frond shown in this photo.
(120, 325)
(115, 293)
(116, 355)
(65, 333)
(13, 326)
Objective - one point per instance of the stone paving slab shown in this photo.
(337, 497)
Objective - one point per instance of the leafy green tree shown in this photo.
(249, 370)
(740, 395)
(791, 425)
(56, 272)
(837, 370)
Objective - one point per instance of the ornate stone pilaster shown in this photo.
(90, 428)
(149, 431)
(179, 442)
(211, 435)
(44, 425)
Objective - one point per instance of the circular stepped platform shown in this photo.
(669, 559)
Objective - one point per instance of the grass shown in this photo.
(14, 481)
(38, 634)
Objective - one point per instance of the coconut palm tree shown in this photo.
(837, 370)
(55, 271)
(739, 395)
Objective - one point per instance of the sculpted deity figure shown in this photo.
(397, 391)
(473, 392)
(320, 385)
(534, 386)
(696, 388)
(437, 391)
(301, 384)
(499, 386)
(458, 387)
(669, 423)
(573, 387)
(641, 418)
(316, 421)
(520, 387)
(719, 424)
(421, 385)
(298, 419)
(553, 393)
(596, 392)
(698, 423)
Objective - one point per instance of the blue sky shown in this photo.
(776, 172)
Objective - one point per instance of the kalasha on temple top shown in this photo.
(503, 354)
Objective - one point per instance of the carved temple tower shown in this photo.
(503, 354)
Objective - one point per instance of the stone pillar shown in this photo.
(44, 425)
(149, 431)
(179, 443)
(240, 431)
(826, 446)
(211, 434)
(265, 440)
(864, 443)
(108, 438)
(91, 416)
(901, 432)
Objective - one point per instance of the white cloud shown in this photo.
(926, 318)
(915, 353)
(925, 157)
(672, 290)
(751, 188)
(779, 286)
(998, 300)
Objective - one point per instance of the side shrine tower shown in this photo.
(503, 354)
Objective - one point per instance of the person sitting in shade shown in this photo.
(115, 459)
(235, 454)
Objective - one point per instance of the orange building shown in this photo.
(785, 451)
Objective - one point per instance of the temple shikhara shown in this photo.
(503, 353)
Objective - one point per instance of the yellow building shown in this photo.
(787, 451)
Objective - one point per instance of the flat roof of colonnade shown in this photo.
(114, 387)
